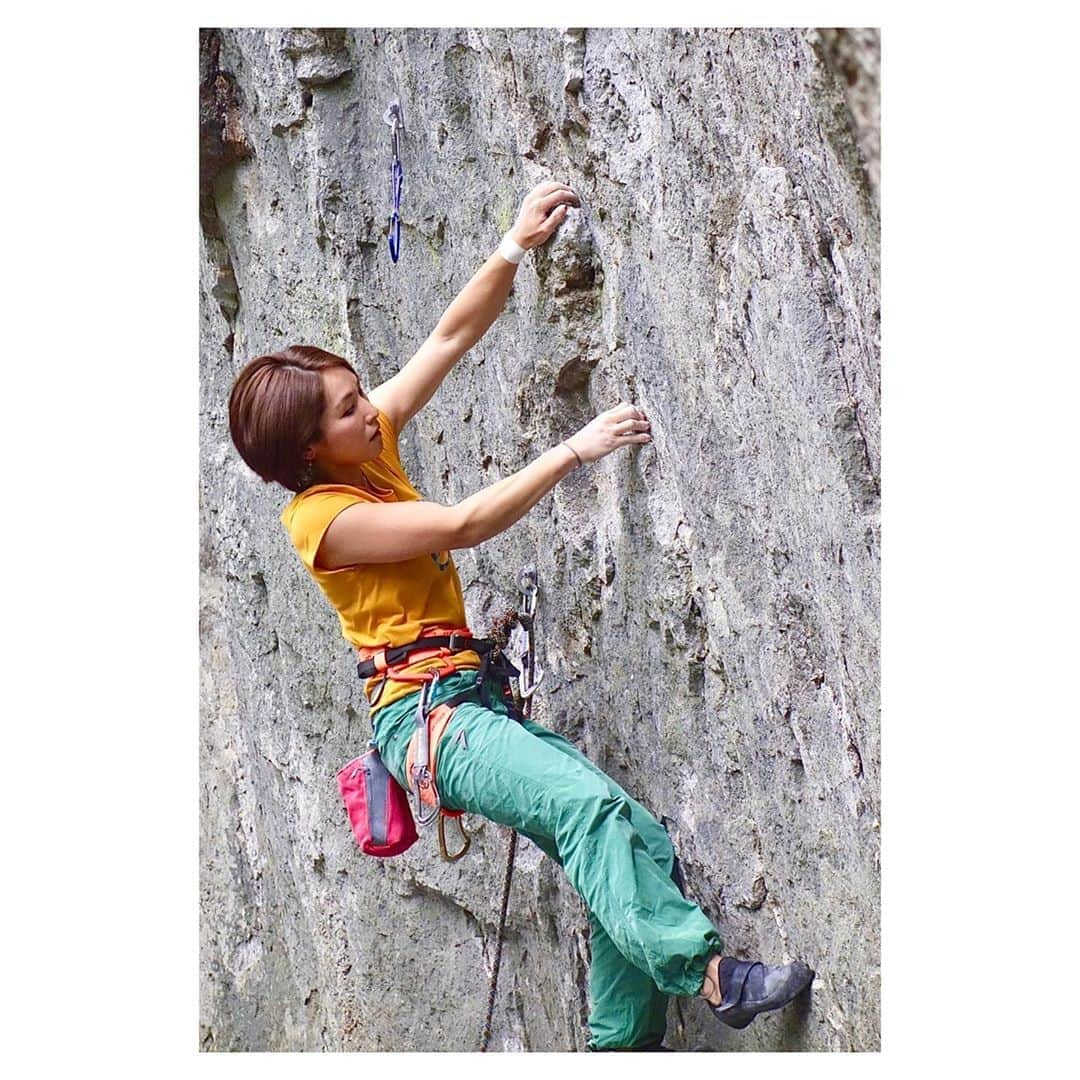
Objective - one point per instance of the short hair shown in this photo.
(276, 409)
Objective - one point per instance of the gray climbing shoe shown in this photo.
(750, 988)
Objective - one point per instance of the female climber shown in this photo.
(381, 554)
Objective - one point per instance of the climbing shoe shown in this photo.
(749, 987)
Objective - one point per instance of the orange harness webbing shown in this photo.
(437, 719)
(398, 673)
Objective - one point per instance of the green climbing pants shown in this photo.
(647, 940)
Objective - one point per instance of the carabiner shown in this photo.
(397, 181)
(528, 586)
(527, 686)
(466, 840)
(527, 690)
(396, 121)
(421, 779)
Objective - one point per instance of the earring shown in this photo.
(306, 476)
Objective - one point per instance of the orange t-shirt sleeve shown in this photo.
(390, 452)
(310, 519)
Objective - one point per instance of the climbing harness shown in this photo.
(396, 122)
(439, 643)
(520, 645)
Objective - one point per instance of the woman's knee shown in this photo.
(586, 814)
(656, 839)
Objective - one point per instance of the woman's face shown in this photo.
(350, 426)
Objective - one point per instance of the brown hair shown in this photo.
(276, 408)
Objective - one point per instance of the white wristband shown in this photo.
(510, 250)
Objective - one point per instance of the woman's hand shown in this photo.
(541, 213)
(623, 425)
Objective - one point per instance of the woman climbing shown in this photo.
(381, 554)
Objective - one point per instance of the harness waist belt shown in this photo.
(366, 669)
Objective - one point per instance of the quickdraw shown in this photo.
(527, 682)
(396, 121)
(520, 648)
(425, 793)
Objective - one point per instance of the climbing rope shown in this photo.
(493, 985)
(396, 121)
(519, 643)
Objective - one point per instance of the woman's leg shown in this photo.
(648, 942)
(626, 1008)
(500, 769)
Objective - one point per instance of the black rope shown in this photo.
(500, 633)
(493, 985)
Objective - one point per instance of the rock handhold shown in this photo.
(574, 59)
(573, 377)
(754, 900)
(321, 56)
(571, 255)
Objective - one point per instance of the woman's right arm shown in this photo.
(394, 532)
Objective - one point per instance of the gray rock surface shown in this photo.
(710, 603)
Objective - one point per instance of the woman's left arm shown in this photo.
(474, 309)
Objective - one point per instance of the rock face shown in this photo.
(709, 608)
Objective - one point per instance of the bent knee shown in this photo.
(658, 843)
(590, 815)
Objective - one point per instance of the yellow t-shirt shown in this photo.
(380, 603)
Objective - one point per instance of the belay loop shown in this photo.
(396, 121)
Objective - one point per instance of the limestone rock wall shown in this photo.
(710, 603)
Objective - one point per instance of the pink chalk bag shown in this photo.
(378, 806)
